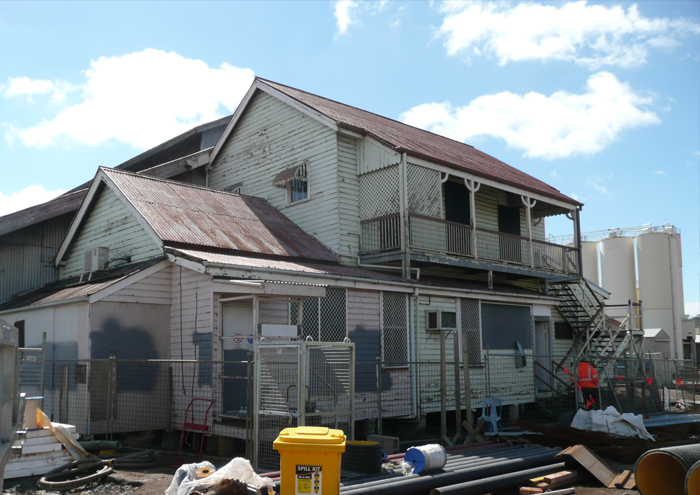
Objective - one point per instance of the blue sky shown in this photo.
(599, 99)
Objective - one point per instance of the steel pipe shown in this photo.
(497, 483)
(692, 480)
(419, 485)
(663, 471)
(451, 465)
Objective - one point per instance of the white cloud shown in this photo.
(589, 35)
(141, 98)
(659, 172)
(348, 12)
(597, 183)
(344, 11)
(29, 196)
(556, 126)
(23, 86)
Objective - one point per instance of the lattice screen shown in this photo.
(471, 328)
(309, 323)
(394, 327)
(424, 191)
(332, 325)
(379, 193)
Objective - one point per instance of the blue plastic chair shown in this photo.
(491, 413)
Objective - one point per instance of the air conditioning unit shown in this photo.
(96, 259)
(437, 320)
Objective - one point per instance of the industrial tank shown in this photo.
(589, 255)
(661, 282)
(618, 274)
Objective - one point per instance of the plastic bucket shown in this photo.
(426, 458)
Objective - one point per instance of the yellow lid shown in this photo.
(311, 437)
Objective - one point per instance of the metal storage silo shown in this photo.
(618, 274)
(661, 283)
(589, 253)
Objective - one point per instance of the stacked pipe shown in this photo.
(692, 480)
(668, 471)
(462, 467)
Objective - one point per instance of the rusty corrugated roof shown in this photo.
(193, 216)
(302, 267)
(421, 143)
(72, 288)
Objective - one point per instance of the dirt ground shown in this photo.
(155, 480)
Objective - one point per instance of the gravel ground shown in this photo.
(154, 481)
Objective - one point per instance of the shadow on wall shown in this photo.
(129, 343)
(367, 347)
(203, 347)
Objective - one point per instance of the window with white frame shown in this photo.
(394, 328)
(471, 329)
(298, 190)
(298, 187)
(324, 319)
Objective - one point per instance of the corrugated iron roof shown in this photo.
(421, 143)
(73, 288)
(304, 268)
(194, 216)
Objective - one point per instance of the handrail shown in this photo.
(383, 217)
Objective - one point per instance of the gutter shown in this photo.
(373, 281)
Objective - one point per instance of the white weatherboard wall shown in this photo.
(109, 224)
(197, 311)
(65, 327)
(348, 197)
(153, 289)
(198, 314)
(270, 137)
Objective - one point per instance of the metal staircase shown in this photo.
(595, 336)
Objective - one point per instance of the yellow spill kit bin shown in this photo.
(310, 460)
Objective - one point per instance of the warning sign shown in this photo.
(308, 481)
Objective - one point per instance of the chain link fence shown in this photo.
(110, 396)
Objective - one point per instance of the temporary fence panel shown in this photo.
(31, 363)
(299, 384)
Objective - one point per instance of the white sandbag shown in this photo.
(612, 422)
(238, 469)
(186, 475)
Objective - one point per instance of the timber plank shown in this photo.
(592, 463)
(620, 479)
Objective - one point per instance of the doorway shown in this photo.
(237, 342)
(543, 358)
(509, 223)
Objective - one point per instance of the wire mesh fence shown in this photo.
(107, 396)
(30, 362)
(110, 396)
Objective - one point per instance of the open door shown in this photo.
(509, 223)
(237, 342)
